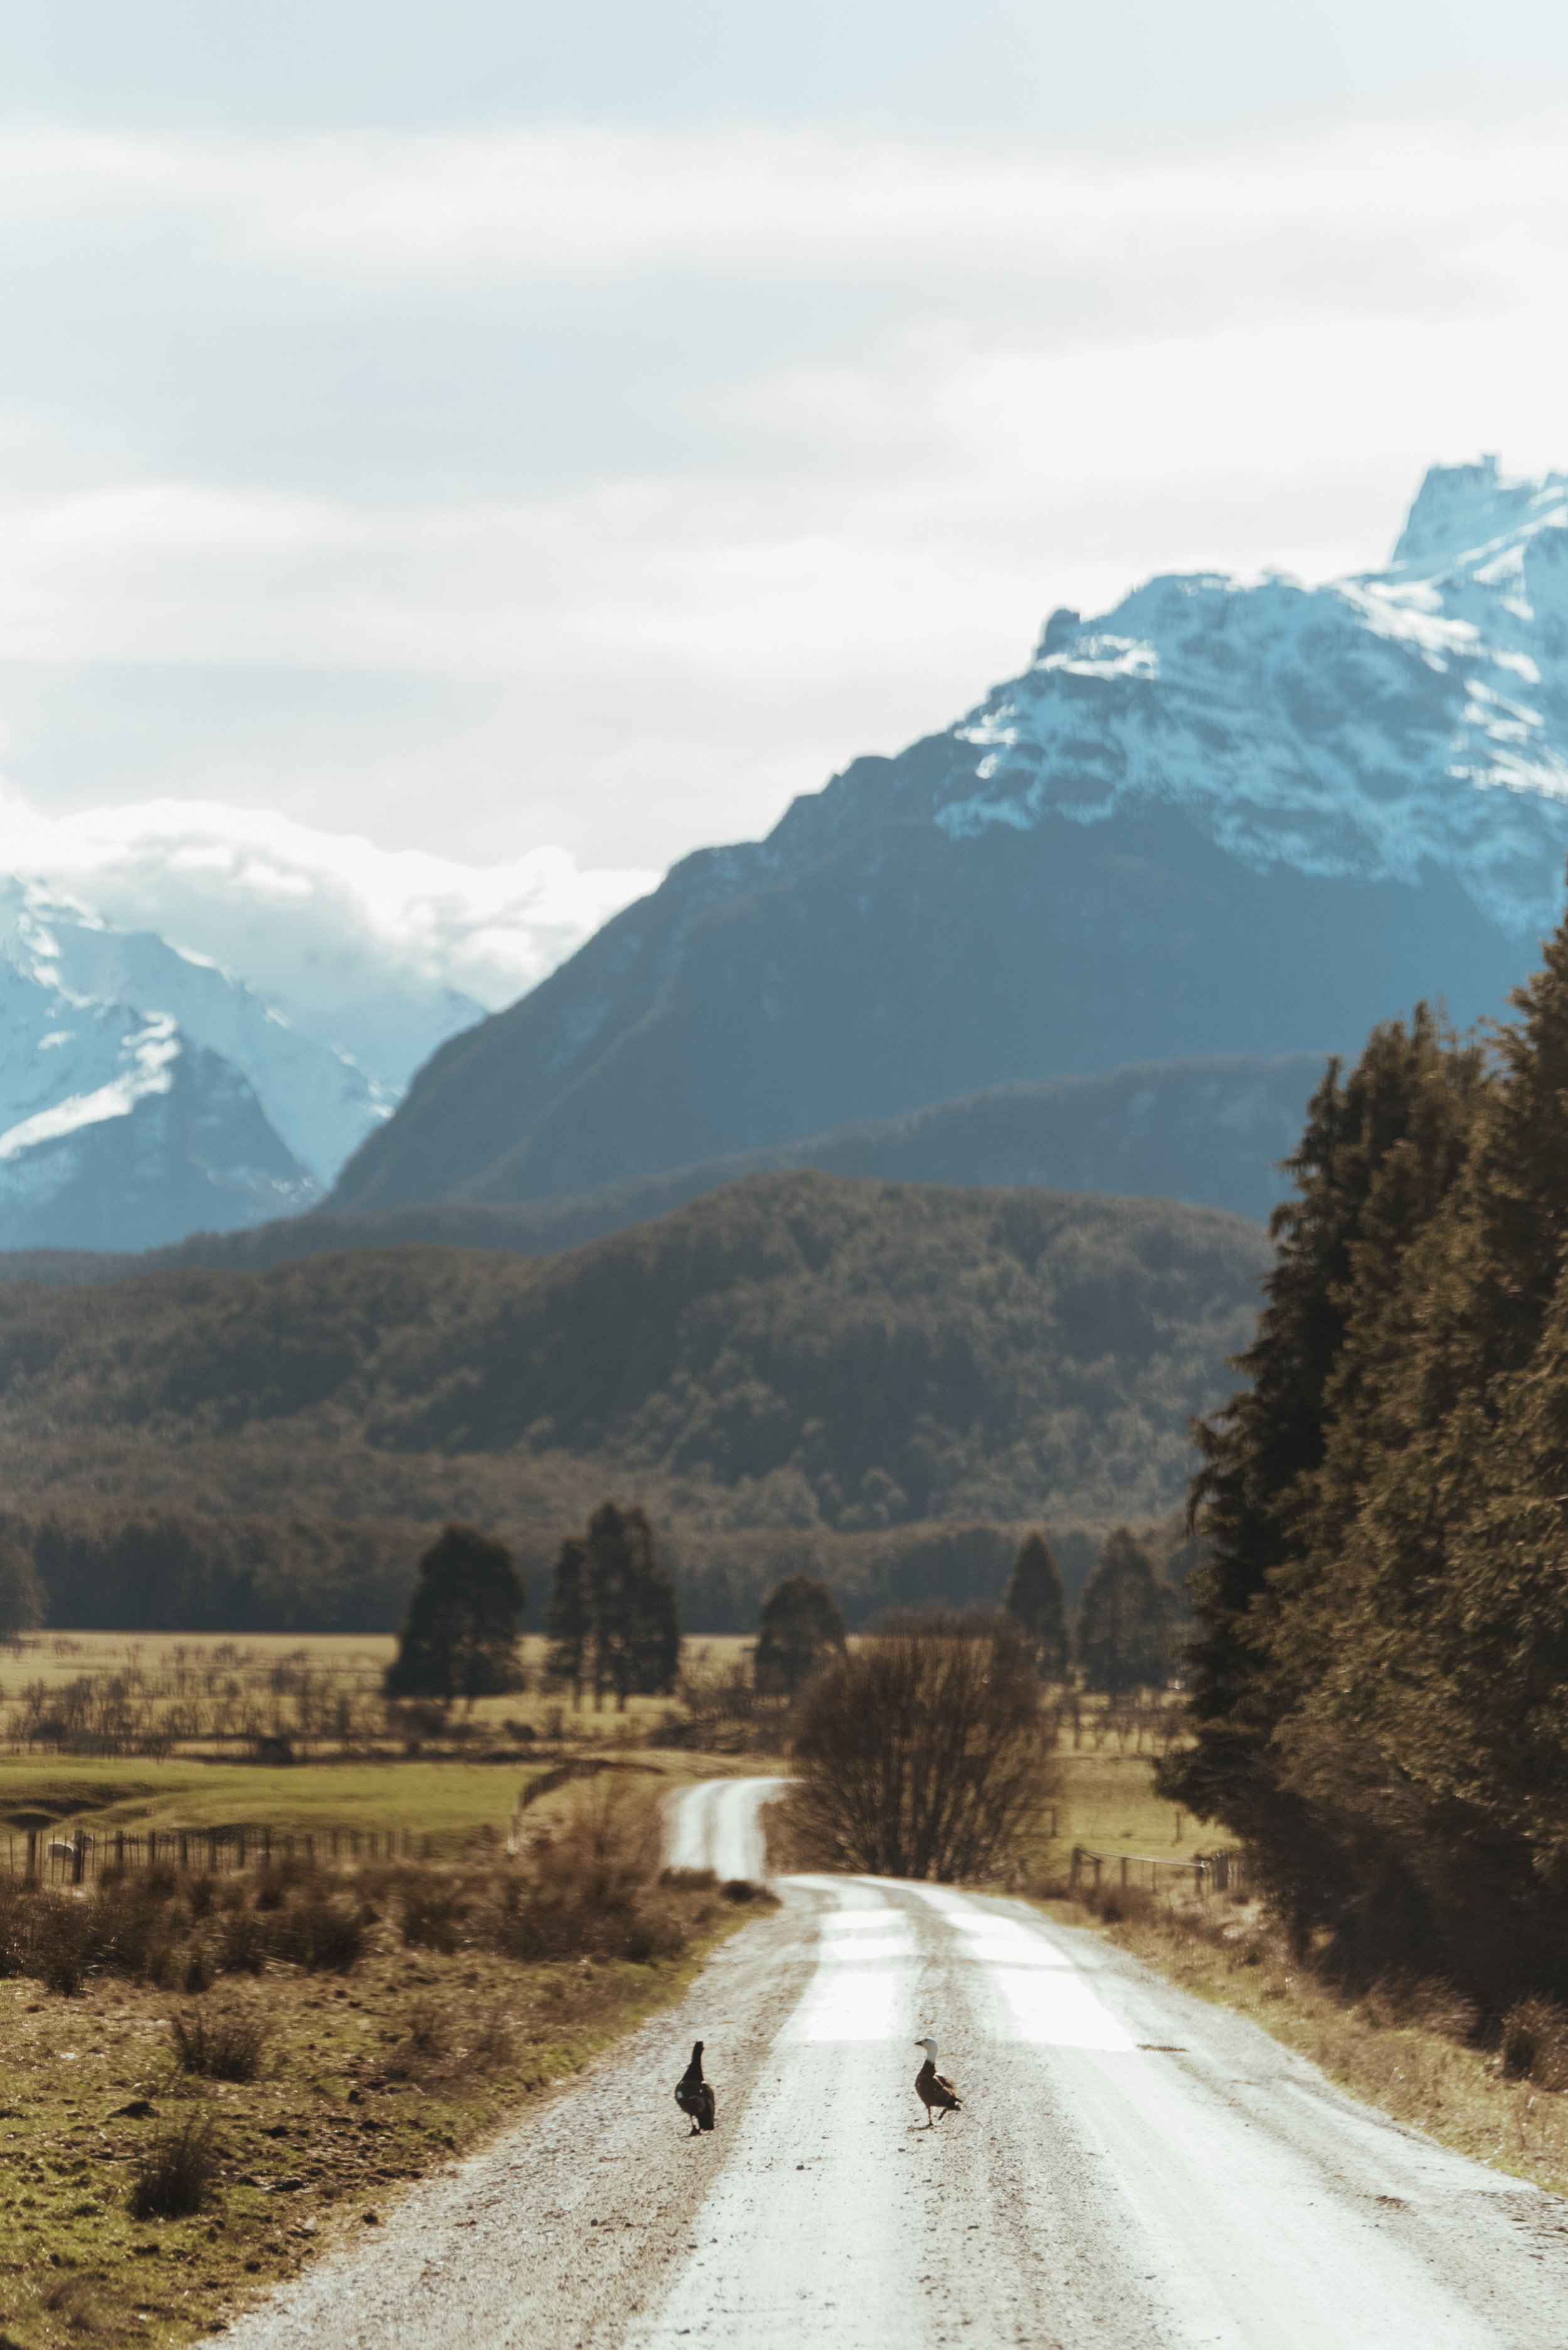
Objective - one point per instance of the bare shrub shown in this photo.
(432, 1914)
(228, 2045)
(1425, 2001)
(591, 1887)
(921, 1753)
(61, 1946)
(1535, 2043)
(175, 2172)
(243, 1943)
(425, 2047)
(323, 1936)
(449, 2044)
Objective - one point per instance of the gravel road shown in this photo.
(1132, 2169)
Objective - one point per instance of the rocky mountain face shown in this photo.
(1226, 818)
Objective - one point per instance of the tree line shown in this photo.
(612, 1620)
(1380, 1676)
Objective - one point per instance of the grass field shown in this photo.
(321, 1691)
(366, 1780)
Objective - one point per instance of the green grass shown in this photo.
(451, 1802)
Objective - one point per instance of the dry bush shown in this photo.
(1423, 2001)
(434, 1914)
(448, 2043)
(591, 1889)
(1535, 2043)
(243, 1943)
(175, 2172)
(921, 1753)
(323, 1936)
(228, 2045)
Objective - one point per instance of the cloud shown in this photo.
(687, 467)
(365, 947)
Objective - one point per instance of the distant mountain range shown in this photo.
(1227, 823)
(143, 1091)
(1207, 1131)
(1225, 818)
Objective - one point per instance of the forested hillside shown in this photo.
(1383, 1676)
(797, 1353)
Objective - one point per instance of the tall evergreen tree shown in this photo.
(800, 1630)
(1381, 1150)
(568, 1617)
(460, 1635)
(21, 1593)
(1124, 1620)
(635, 1628)
(1038, 1606)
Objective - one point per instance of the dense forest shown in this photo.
(1381, 1672)
(797, 1352)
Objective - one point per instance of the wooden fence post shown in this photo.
(79, 1855)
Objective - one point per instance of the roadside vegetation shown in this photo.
(1383, 1656)
(205, 2078)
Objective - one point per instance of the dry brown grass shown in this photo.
(369, 2076)
(1415, 2049)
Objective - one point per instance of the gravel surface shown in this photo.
(1132, 2169)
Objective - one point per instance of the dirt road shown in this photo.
(1132, 2169)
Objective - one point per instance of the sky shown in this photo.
(494, 449)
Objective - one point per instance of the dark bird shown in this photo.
(694, 2095)
(937, 2096)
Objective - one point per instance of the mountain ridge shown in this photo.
(1197, 1133)
(1222, 818)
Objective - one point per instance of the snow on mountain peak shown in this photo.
(1410, 717)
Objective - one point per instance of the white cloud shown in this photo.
(760, 450)
(364, 946)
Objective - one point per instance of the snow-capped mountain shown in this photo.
(1225, 818)
(144, 1093)
(1409, 718)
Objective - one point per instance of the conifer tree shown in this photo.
(1381, 1152)
(568, 1617)
(460, 1635)
(800, 1630)
(21, 1594)
(635, 1631)
(1037, 1604)
(1124, 1620)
